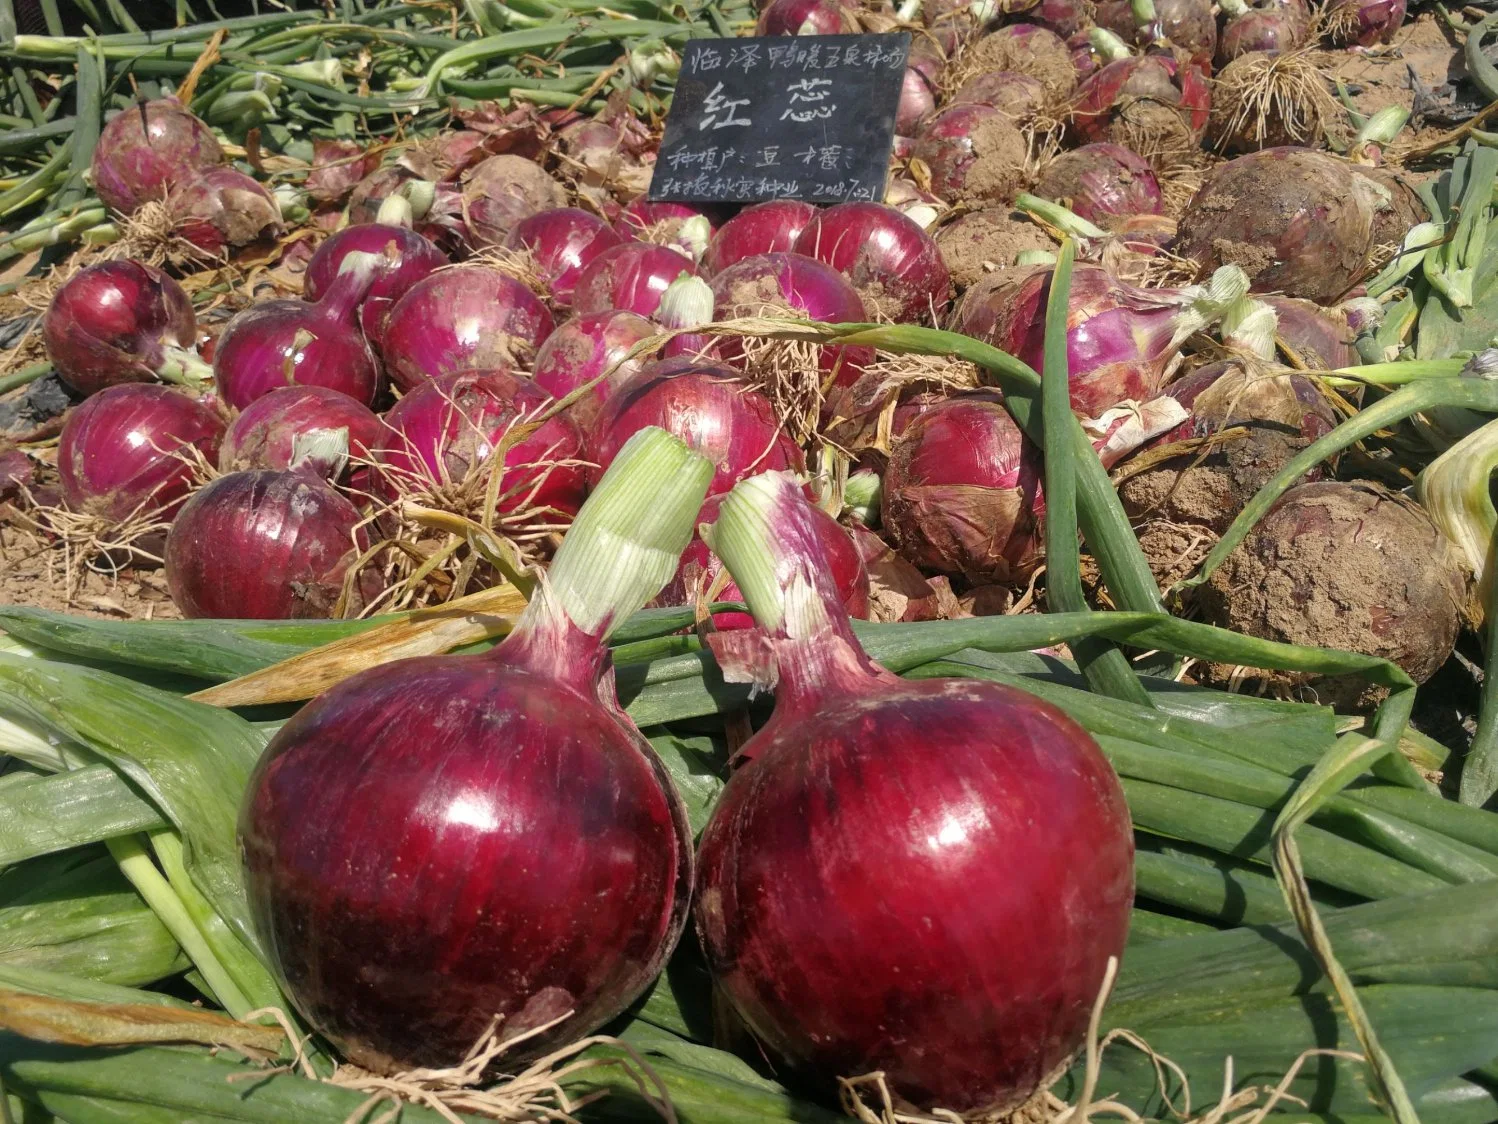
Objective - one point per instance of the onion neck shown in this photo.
(185, 367)
(1047, 212)
(1110, 46)
(395, 211)
(1233, 9)
(766, 538)
(356, 274)
(622, 549)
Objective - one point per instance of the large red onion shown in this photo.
(1319, 337)
(1366, 22)
(770, 285)
(457, 319)
(893, 264)
(437, 208)
(261, 545)
(680, 226)
(268, 431)
(1188, 25)
(442, 841)
(1102, 183)
(1027, 49)
(146, 150)
(708, 407)
(764, 228)
(121, 321)
(1150, 104)
(122, 452)
(975, 154)
(806, 17)
(406, 258)
(971, 842)
(1269, 30)
(584, 348)
(501, 191)
(962, 493)
(633, 277)
(446, 429)
(289, 342)
(562, 241)
(917, 99)
(220, 208)
(700, 567)
(1120, 339)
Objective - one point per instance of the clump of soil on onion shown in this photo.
(1353, 566)
(1041, 54)
(1268, 101)
(981, 241)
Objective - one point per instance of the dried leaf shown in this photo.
(69, 1023)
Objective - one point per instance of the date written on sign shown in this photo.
(797, 117)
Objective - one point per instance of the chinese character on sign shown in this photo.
(715, 103)
(807, 155)
(707, 59)
(830, 155)
(769, 156)
(745, 57)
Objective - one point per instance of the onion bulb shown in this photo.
(146, 150)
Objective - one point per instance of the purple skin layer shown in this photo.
(463, 854)
(146, 150)
(409, 257)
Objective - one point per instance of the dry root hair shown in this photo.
(1260, 101)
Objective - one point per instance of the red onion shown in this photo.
(457, 319)
(1267, 30)
(917, 99)
(501, 191)
(802, 287)
(1120, 339)
(267, 432)
(584, 348)
(146, 150)
(962, 493)
(1366, 22)
(563, 241)
(680, 226)
(806, 17)
(397, 878)
(447, 428)
(406, 258)
(1188, 25)
(632, 277)
(1148, 103)
(437, 207)
(971, 842)
(1018, 95)
(121, 321)
(700, 567)
(1319, 337)
(893, 264)
(121, 452)
(975, 154)
(1065, 17)
(761, 229)
(708, 407)
(261, 545)
(219, 208)
(1102, 182)
(1026, 49)
(289, 342)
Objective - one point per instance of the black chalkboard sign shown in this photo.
(795, 117)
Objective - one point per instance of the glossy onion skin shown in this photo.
(706, 406)
(584, 348)
(118, 452)
(280, 343)
(892, 263)
(146, 150)
(448, 427)
(820, 874)
(261, 545)
(265, 432)
(458, 319)
(962, 492)
(1102, 182)
(1111, 89)
(764, 228)
(409, 257)
(108, 324)
(805, 17)
(632, 276)
(462, 854)
(563, 241)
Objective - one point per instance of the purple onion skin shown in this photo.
(403, 897)
(146, 150)
(120, 451)
(962, 493)
(973, 844)
(917, 99)
(1187, 24)
(795, 285)
(806, 17)
(108, 324)
(706, 406)
(645, 221)
(1156, 77)
(1365, 23)
(1065, 17)
(501, 191)
(633, 277)
(1102, 182)
(461, 319)
(1321, 337)
(261, 545)
(892, 263)
(1018, 95)
(584, 348)
(443, 225)
(296, 343)
(563, 241)
(265, 432)
(221, 208)
(445, 428)
(409, 257)
(1292, 404)
(1270, 31)
(764, 228)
